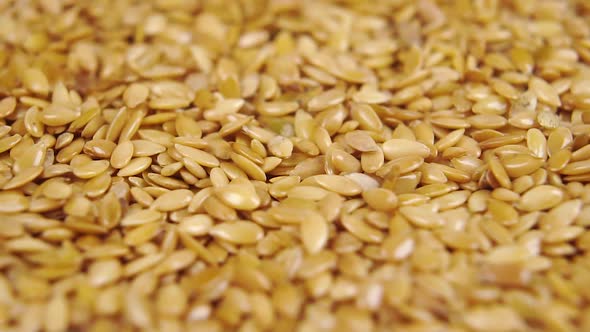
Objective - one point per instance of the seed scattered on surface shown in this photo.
(294, 165)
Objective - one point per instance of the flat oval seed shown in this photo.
(57, 190)
(90, 169)
(99, 148)
(544, 91)
(122, 154)
(196, 225)
(57, 115)
(173, 200)
(360, 141)
(98, 185)
(248, 166)
(239, 196)
(7, 106)
(25, 176)
(421, 217)
(135, 166)
(537, 143)
(135, 94)
(36, 81)
(338, 184)
(314, 233)
(145, 148)
(541, 198)
(238, 232)
(575, 168)
(360, 229)
(521, 164)
(177, 260)
(277, 108)
(399, 147)
(142, 234)
(57, 314)
(499, 173)
(141, 217)
(559, 160)
(104, 272)
(201, 157)
(32, 157)
(7, 143)
(11, 202)
(380, 199)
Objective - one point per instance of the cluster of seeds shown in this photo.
(295, 165)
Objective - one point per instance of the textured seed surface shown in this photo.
(253, 166)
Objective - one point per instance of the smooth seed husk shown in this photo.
(301, 166)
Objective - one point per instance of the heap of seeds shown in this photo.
(294, 165)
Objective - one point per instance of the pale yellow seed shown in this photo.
(240, 195)
(173, 200)
(338, 184)
(57, 315)
(238, 232)
(122, 154)
(395, 148)
(13, 201)
(140, 217)
(196, 225)
(422, 217)
(36, 81)
(25, 176)
(104, 272)
(541, 198)
(201, 157)
(314, 233)
(135, 94)
(544, 91)
(135, 166)
(57, 190)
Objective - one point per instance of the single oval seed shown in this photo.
(395, 148)
(135, 166)
(238, 232)
(541, 198)
(173, 200)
